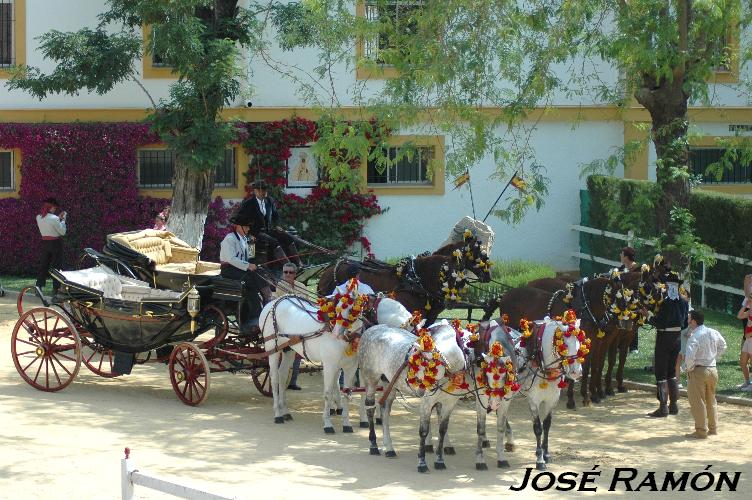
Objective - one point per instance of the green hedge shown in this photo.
(722, 221)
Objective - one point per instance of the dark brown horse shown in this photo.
(533, 303)
(548, 284)
(419, 283)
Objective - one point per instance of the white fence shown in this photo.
(630, 239)
(130, 477)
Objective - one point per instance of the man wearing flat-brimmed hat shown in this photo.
(263, 210)
(236, 265)
(52, 226)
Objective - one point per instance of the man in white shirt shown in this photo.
(52, 227)
(704, 347)
(353, 271)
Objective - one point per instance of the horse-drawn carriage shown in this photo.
(149, 299)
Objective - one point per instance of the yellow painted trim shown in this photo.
(439, 171)
(735, 189)
(636, 167)
(383, 71)
(150, 71)
(19, 36)
(234, 192)
(17, 177)
(730, 188)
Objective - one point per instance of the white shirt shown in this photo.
(262, 205)
(234, 251)
(363, 289)
(704, 347)
(51, 225)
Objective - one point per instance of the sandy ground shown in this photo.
(69, 444)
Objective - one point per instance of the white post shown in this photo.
(630, 237)
(702, 289)
(126, 467)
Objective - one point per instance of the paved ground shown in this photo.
(69, 444)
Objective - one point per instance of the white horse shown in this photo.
(386, 351)
(553, 353)
(293, 321)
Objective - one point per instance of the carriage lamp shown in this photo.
(193, 306)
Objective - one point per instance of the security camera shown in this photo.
(249, 104)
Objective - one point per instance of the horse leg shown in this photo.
(480, 416)
(623, 351)
(349, 371)
(546, 428)
(611, 362)
(540, 464)
(447, 446)
(570, 395)
(425, 425)
(285, 363)
(595, 373)
(509, 435)
(370, 404)
(584, 382)
(444, 412)
(331, 371)
(501, 427)
(277, 392)
(386, 412)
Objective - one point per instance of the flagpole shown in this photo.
(502, 194)
(470, 185)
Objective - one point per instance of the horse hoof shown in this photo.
(540, 466)
(481, 467)
(439, 465)
(329, 430)
(390, 454)
(422, 468)
(287, 416)
(374, 451)
(279, 420)
(364, 425)
(485, 444)
(338, 411)
(547, 459)
(347, 428)
(509, 447)
(622, 389)
(571, 405)
(449, 450)
(378, 421)
(332, 412)
(609, 392)
(429, 448)
(502, 464)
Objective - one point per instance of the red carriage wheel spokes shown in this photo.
(213, 315)
(97, 358)
(46, 349)
(189, 373)
(262, 379)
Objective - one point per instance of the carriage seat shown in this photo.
(167, 251)
(118, 287)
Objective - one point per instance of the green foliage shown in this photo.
(519, 272)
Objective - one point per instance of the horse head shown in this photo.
(564, 347)
(472, 258)
(497, 377)
(445, 341)
(622, 299)
(344, 310)
(389, 312)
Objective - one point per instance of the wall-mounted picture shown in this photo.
(302, 170)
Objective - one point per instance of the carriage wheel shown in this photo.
(189, 373)
(46, 349)
(215, 316)
(26, 294)
(97, 358)
(262, 379)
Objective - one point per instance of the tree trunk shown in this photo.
(191, 196)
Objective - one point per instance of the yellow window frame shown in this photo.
(437, 175)
(16, 158)
(19, 36)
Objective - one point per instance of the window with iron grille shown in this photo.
(408, 170)
(7, 25)
(7, 180)
(157, 53)
(155, 167)
(701, 158)
(400, 15)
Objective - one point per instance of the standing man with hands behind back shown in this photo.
(52, 226)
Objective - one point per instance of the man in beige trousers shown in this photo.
(704, 347)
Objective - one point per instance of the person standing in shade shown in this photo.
(52, 226)
(669, 322)
(704, 347)
(745, 355)
(287, 286)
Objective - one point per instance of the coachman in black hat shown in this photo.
(236, 265)
(670, 320)
(263, 210)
